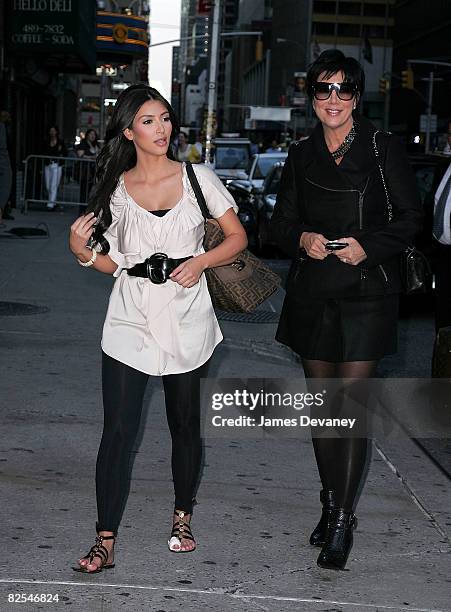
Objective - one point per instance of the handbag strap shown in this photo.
(197, 191)
(378, 159)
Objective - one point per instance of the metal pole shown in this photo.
(149, 32)
(210, 132)
(267, 75)
(103, 78)
(387, 104)
(429, 113)
(387, 76)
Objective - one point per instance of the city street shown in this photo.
(258, 499)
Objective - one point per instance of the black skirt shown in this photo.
(337, 330)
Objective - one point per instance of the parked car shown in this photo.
(231, 158)
(245, 190)
(259, 166)
(429, 171)
(264, 203)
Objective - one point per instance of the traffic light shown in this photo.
(407, 78)
(384, 86)
(259, 50)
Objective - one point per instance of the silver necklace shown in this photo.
(347, 142)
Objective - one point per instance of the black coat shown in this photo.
(316, 195)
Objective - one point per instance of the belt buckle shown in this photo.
(156, 267)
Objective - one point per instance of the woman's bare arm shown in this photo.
(80, 232)
(187, 274)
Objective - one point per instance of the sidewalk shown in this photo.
(258, 499)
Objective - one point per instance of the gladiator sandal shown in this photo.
(98, 551)
(181, 530)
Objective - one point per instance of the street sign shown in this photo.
(424, 123)
(59, 34)
(270, 113)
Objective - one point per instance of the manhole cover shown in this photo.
(259, 316)
(16, 309)
(29, 232)
(40, 231)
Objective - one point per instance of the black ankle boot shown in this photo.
(338, 544)
(318, 536)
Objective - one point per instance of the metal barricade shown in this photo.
(56, 181)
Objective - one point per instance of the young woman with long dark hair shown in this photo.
(144, 226)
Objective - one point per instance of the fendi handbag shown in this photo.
(242, 285)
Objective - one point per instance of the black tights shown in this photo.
(341, 461)
(123, 393)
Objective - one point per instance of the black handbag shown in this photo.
(415, 269)
(441, 360)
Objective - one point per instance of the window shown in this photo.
(263, 166)
(272, 186)
(374, 10)
(349, 8)
(326, 29)
(375, 31)
(348, 29)
(232, 156)
(321, 6)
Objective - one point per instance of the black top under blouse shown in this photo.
(160, 213)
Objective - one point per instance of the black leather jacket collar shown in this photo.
(358, 163)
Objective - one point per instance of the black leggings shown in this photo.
(123, 393)
(341, 461)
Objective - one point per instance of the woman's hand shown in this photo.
(80, 232)
(352, 254)
(314, 245)
(188, 273)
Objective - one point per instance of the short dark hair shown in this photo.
(332, 61)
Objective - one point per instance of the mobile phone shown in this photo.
(334, 245)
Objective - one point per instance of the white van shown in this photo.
(231, 158)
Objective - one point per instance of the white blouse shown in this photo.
(167, 328)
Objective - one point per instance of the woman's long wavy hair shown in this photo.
(118, 154)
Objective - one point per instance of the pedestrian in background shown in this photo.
(186, 151)
(160, 319)
(442, 234)
(341, 307)
(274, 147)
(55, 148)
(89, 146)
(5, 171)
(87, 149)
(447, 147)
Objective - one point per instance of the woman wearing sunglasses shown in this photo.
(145, 227)
(341, 307)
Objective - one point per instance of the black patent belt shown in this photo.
(156, 268)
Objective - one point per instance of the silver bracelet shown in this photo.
(86, 264)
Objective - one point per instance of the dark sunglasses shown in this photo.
(323, 91)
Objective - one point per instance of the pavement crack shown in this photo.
(411, 493)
